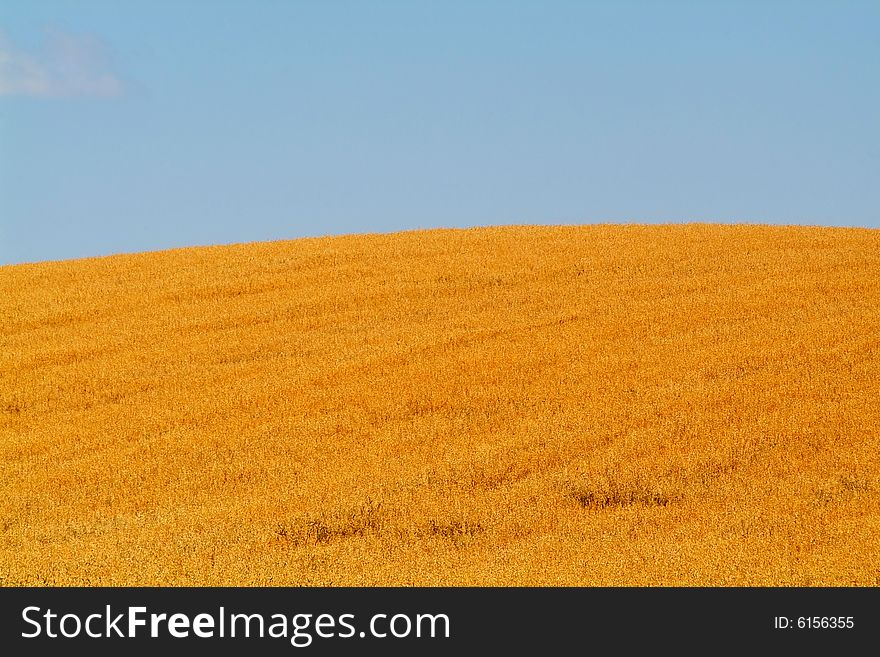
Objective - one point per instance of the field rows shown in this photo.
(599, 405)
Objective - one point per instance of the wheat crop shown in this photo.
(599, 405)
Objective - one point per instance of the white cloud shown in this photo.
(65, 65)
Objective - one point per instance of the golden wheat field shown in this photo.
(598, 405)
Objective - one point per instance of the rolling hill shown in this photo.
(686, 404)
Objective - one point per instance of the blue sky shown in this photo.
(134, 126)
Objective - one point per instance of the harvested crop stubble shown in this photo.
(601, 405)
